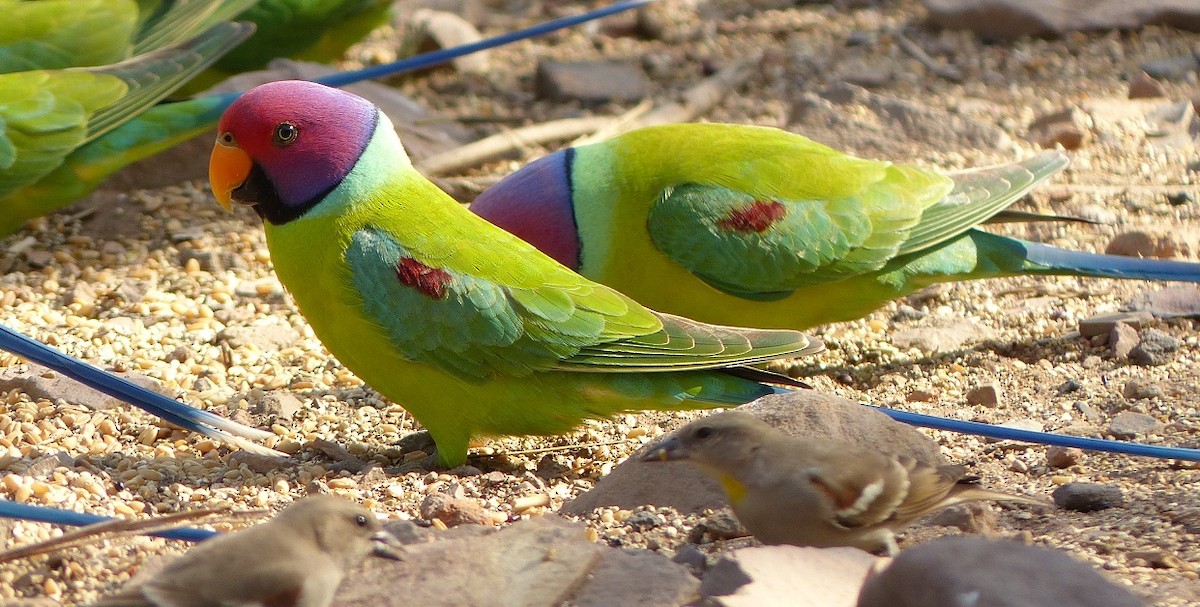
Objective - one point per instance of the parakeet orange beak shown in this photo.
(228, 169)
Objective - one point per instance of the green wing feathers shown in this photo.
(978, 195)
(153, 76)
(55, 34)
(751, 246)
(684, 344)
(475, 327)
(58, 34)
(768, 212)
(45, 117)
(163, 23)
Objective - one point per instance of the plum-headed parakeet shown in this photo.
(756, 226)
(472, 330)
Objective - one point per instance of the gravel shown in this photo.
(155, 297)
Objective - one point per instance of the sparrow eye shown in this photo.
(285, 134)
(705, 432)
(227, 138)
(360, 520)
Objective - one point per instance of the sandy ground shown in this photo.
(109, 286)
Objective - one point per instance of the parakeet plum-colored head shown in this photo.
(283, 146)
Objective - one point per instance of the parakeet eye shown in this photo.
(227, 138)
(361, 520)
(705, 431)
(285, 134)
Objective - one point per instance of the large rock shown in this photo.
(1007, 19)
(992, 573)
(789, 576)
(1171, 302)
(801, 413)
(940, 335)
(540, 562)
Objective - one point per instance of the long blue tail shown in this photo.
(1029, 436)
(1043, 438)
(1045, 259)
(171, 410)
(55, 516)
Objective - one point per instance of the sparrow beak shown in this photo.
(387, 546)
(228, 169)
(669, 450)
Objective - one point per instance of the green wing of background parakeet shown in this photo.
(798, 213)
(158, 128)
(163, 23)
(56, 34)
(305, 30)
(153, 76)
(48, 117)
(518, 317)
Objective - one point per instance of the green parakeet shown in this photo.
(49, 115)
(56, 34)
(756, 226)
(472, 330)
(76, 173)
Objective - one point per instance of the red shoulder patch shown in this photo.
(755, 217)
(431, 282)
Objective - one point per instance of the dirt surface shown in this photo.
(146, 281)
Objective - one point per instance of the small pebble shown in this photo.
(1063, 457)
(1155, 348)
(1103, 324)
(920, 396)
(1141, 388)
(987, 395)
(1122, 340)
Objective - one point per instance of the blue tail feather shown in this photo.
(1030, 436)
(1045, 259)
(169, 409)
(55, 516)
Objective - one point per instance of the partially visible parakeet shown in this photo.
(472, 330)
(48, 115)
(24, 195)
(760, 227)
(56, 34)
